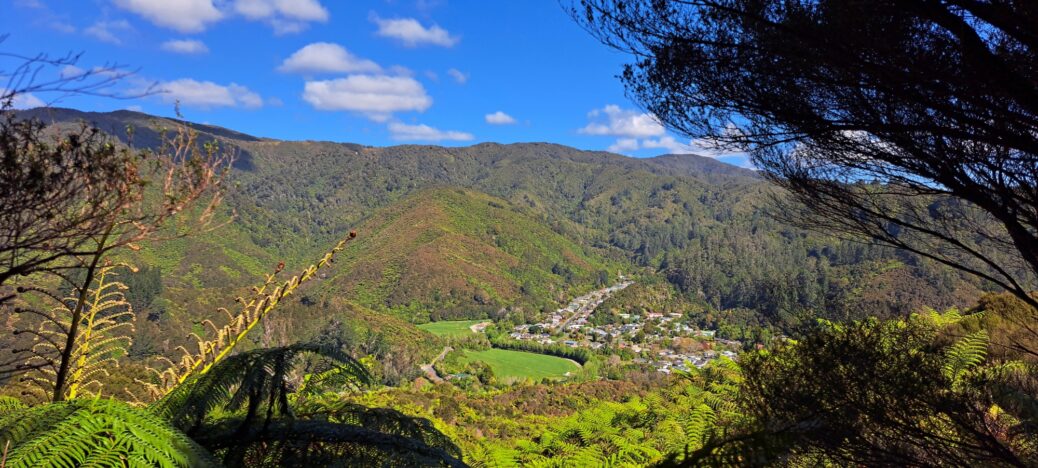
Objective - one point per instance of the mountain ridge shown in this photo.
(699, 222)
(106, 121)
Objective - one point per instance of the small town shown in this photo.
(653, 344)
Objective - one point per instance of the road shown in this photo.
(591, 301)
(430, 371)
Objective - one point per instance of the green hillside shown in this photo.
(700, 223)
(456, 253)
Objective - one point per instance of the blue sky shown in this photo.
(377, 72)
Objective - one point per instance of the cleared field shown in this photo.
(450, 327)
(508, 364)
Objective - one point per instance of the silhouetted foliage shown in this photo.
(935, 102)
(56, 191)
(874, 393)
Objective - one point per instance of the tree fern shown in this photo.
(942, 319)
(492, 457)
(9, 404)
(384, 420)
(257, 377)
(102, 336)
(245, 411)
(317, 442)
(586, 456)
(698, 425)
(965, 355)
(241, 406)
(95, 433)
(210, 351)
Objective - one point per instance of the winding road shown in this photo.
(430, 371)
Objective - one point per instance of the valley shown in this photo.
(509, 234)
(464, 234)
(486, 273)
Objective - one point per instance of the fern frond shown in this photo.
(965, 355)
(698, 425)
(211, 351)
(257, 374)
(94, 433)
(9, 405)
(102, 335)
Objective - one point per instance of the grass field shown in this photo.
(509, 364)
(450, 327)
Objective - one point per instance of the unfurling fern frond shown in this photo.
(965, 355)
(210, 351)
(95, 433)
(102, 336)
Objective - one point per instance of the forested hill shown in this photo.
(699, 222)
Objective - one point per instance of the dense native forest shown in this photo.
(180, 294)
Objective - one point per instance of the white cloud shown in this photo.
(71, 70)
(411, 33)
(302, 10)
(325, 57)
(671, 146)
(636, 130)
(697, 147)
(186, 16)
(108, 31)
(207, 94)
(458, 75)
(613, 121)
(499, 118)
(135, 108)
(21, 100)
(28, 101)
(107, 71)
(404, 132)
(375, 96)
(192, 16)
(185, 46)
(624, 145)
(285, 16)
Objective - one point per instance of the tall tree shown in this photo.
(913, 123)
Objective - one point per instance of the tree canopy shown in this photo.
(908, 122)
